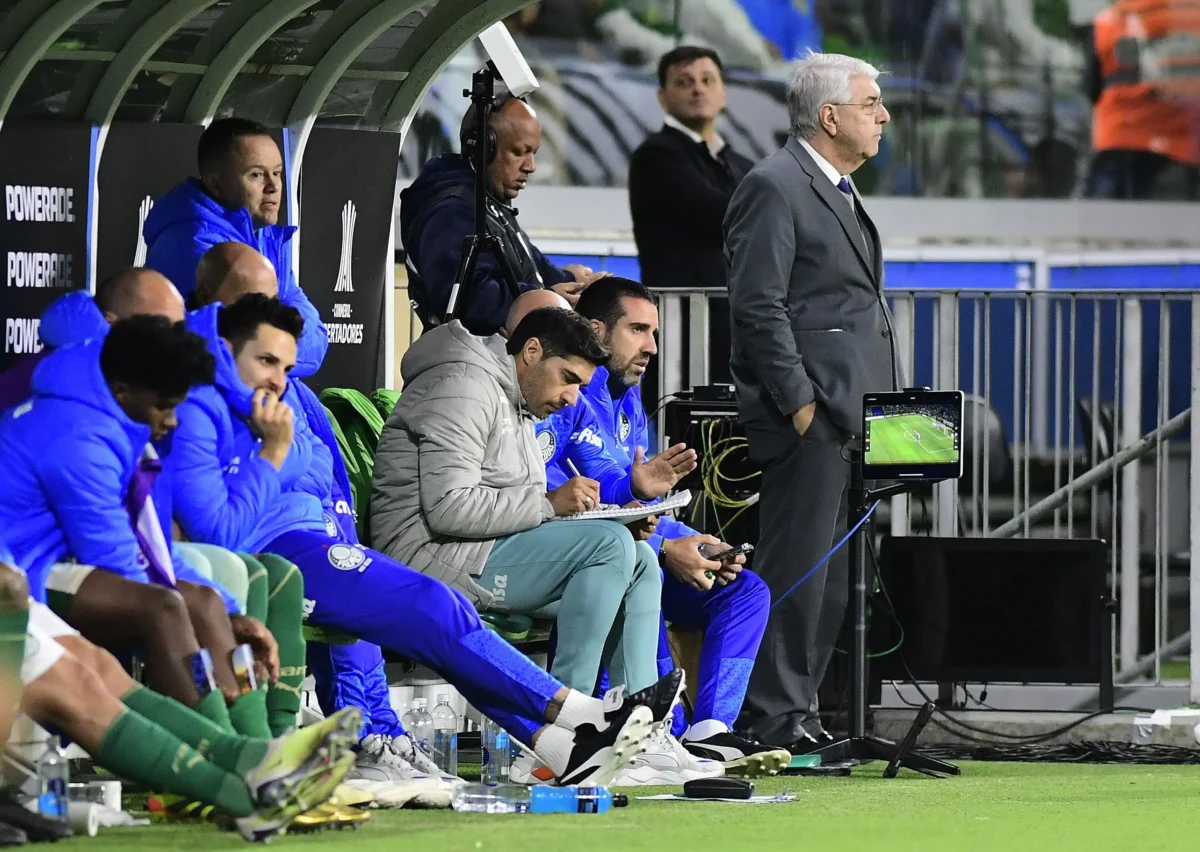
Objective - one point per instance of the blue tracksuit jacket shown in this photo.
(187, 222)
(600, 436)
(71, 452)
(224, 492)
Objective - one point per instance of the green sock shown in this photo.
(13, 627)
(231, 752)
(214, 708)
(249, 715)
(256, 595)
(285, 614)
(136, 748)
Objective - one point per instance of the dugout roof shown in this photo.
(289, 63)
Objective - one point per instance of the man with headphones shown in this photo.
(438, 211)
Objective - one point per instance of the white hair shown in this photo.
(818, 79)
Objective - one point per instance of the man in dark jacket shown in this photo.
(680, 182)
(438, 211)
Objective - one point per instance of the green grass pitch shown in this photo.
(910, 439)
(991, 806)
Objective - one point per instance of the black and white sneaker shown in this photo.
(740, 755)
(660, 698)
(597, 756)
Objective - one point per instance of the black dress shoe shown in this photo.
(10, 836)
(807, 744)
(34, 826)
(816, 730)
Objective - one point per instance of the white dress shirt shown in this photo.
(822, 163)
(714, 148)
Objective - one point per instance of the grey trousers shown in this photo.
(803, 514)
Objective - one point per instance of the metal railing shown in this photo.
(1077, 403)
(1077, 425)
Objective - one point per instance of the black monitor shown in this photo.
(982, 610)
(912, 434)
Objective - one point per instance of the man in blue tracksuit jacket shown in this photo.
(78, 317)
(247, 492)
(74, 452)
(609, 429)
(237, 198)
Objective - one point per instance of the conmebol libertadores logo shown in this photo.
(345, 283)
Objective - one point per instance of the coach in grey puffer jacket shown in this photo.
(459, 493)
(450, 378)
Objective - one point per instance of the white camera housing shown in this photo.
(503, 51)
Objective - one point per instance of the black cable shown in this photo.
(661, 402)
(981, 700)
(1077, 752)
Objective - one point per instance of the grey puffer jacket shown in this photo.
(457, 464)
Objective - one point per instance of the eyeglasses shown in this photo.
(871, 108)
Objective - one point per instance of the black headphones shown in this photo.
(470, 139)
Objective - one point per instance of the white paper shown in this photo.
(632, 514)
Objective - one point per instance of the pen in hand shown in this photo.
(587, 501)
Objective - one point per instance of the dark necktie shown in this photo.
(844, 186)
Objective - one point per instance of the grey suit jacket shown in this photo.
(809, 321)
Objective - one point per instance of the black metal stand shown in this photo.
(858, 746)
(483, 94)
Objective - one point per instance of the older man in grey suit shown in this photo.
(811, 335)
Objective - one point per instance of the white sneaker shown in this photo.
(528, 769)
(392, 780)
(665, 762)
(406, 748)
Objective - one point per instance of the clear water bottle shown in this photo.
(515, 799)
(445, 736)
(409, 719)
(54, 777)
(496, 755)
(423, 733)
(418, 723)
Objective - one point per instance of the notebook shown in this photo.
(634, 513)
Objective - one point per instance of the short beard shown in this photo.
(624, 376)
(617, 370)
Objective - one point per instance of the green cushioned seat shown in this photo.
(511, 627)
(385, 400)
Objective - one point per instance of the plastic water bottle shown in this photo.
(424, 732)
(54, 776)
(418, 723)
(409, 719)
(496, 755)
(445, 736)
(515, 799)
